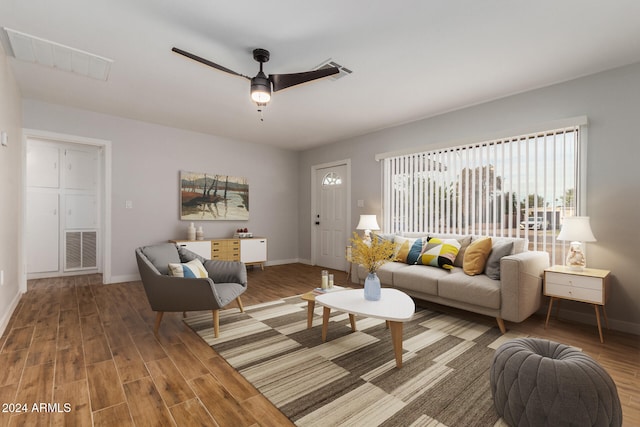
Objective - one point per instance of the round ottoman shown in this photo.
(536, 382)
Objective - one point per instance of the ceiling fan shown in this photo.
(261, 85)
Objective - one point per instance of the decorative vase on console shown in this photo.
(191, 232)
(371, 255)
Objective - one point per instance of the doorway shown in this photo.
(66, 206)
(331, 193)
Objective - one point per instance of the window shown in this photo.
(520, 186)
(331, 178)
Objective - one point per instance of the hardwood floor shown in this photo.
(90, 349)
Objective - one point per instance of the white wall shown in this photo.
(610, 100)
(146, 160)
(10, 191)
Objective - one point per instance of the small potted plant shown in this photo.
(371, 254)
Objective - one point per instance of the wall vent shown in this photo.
(55, 55)
(80, 250)
(344, 71)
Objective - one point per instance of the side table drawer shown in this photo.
(594, 296)
(586, 282)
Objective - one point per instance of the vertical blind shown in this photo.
(502, 187)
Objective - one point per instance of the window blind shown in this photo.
(519, 186)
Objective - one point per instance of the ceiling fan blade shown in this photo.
(283, 81)
(207, 62)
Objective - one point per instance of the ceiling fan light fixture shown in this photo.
(260, 89)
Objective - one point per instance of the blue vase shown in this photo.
(372, 287)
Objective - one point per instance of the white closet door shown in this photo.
(81, 169)
(42, 231)
(81, 211)
(43, 166)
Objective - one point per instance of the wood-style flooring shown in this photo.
(87, 352)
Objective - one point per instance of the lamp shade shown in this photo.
(368, 222)
(576, 229)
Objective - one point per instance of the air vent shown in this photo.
(344, 71)
(80, 250)
(54, 55)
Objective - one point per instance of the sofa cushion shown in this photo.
(192, 269)
(418, 278)
(477, 290)
(518, 243)
(475, 257)
(492, 269)
(439, 252)
(384, 272)
(161, 255)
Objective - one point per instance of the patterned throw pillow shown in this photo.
(409, 249)
(191, 269)
(439, 252)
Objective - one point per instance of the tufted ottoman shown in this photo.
(536, 382)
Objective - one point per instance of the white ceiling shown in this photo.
(410, 59)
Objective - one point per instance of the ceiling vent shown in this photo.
(34, 49)
(344, 71)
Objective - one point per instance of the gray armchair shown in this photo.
(226, 282)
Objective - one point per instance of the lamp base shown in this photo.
(576, 260)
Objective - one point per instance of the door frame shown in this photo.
(105, 202)
(314, 199)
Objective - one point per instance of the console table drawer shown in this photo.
(594, 296)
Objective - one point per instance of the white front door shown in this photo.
(330, 217)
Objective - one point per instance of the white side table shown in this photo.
(589, 286)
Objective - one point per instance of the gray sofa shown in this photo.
(515, 296)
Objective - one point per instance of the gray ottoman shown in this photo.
(536, 382)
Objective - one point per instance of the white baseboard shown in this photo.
(124, 278)
(4, 322)
(282, 262)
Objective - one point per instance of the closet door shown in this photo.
(43, 208)
(80, 182)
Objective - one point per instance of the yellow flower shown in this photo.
(371, 255)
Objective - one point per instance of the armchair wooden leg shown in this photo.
(240, 304)
(503, 329)
(216, 323)
(158, 320)
(184, 314)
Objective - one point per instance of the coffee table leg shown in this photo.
(352, 320)
(396, 338)
(325, 322)
(311, 305)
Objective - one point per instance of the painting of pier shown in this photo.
(210, 196)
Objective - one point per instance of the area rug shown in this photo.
(352, 379)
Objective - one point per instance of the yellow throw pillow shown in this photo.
(475, 257)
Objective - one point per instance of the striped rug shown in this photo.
(352, 379)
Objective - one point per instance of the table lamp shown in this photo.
(577, 230)
(367, 223)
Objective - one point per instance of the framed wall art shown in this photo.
(210, 196)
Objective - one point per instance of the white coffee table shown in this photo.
(394, 306)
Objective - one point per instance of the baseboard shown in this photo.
(282, 262)
(124, 278)
(4, 322)
(589, 319)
